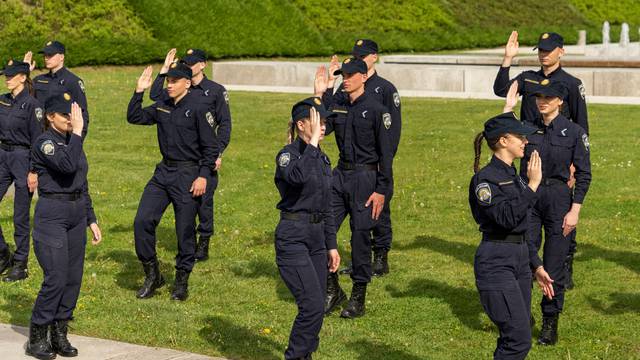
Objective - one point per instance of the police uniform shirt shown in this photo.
(303, 178)
(59, 82)
(383, 91)
(184, 130)
(574, 108)
(561, 144)
(501, 202)
(363, 136)
(62, 166)
(20, 119)
(209, 93)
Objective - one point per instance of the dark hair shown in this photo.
(291, 131)
(477, 148)
(28, 83)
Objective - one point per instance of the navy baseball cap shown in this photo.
(59, 103)
(52, 48)
(179, 70)
(549, 41)
(302, 109)
(15, 67)
(194, 56)
(352, 66)
(548, 87)
(506, 123)
(364, 47)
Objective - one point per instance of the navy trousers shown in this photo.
(205, 211)
(59, 241)
(169, 185)
(301, 257)
(382, 232)
(14, 166)
(351, 189)
(503, 279)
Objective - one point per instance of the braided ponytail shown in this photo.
(291, 131)
(477, 148)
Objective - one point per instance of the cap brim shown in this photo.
(190, 60)
(525, 130)
(546, 47)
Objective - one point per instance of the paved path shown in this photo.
(13, 339)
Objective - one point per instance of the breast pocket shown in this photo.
(364, 131)
(562, 150)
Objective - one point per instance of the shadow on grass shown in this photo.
(460, 251)
(621, 303)
(18, 305)
(131, 274)
(628, 259)
(258, 268)
(370, 350)
(464, 303)
(237, 342)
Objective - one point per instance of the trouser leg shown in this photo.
(206, 208)
(5, 182)
(77, 243)
(383, 232)
(153, 203)
(185, 207)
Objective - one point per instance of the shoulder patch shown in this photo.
(81, 84)
(585, 142)
(483, 193)
(48, 148)
(583, 91)
(396, 99)
(210, 119)
(386, 120)
(284, 159)
(39, 114)
(226, 97)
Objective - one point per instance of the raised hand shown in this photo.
(168, 60)
(77, 122)
(28, 58)
(333, 66)
(144, 82)
(511, 49)
(534, 170)
(320, 81)
(316, 128)
(512, 97)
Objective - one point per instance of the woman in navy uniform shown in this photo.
(305, 238)
(20, 117)
(62, 214)
(561, 143)
(501, 202)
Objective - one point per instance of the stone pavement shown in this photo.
(13, 339)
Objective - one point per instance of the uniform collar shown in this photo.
(554, 72)
(57, 136)
(501, 165)
(21, 95)
(372, 77)
(299, 144)
(58, 73)
(558, 122)
(360, 99)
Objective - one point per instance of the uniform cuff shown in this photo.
(205, 171)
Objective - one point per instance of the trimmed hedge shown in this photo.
(141, 31)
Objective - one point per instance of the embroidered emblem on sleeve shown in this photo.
(483, 193)
(284, 159)
(386, 120)
(48, 148)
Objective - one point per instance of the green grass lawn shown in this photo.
(427, 308)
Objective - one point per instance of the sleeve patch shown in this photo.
(483, 193)
(284, 159)
(210, 119)
(39, 114)
(386, 120)
(396, 99)
(48, 148)
(226, 97)
(81, 85)
(582, 90)
(585, 142)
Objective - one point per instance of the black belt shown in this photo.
(552, 181)
(11, 147)
(507, 238)
(312, 218)
(351, 166)
(176, 163)
(62, 196)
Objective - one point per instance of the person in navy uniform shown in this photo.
(189, 150)
(215, 97)
(305, 238)
(385, 93)
(363, 178)
(550, 51)
(500, 203)
(59, 79)
(20, 125)
(560, 143)
(63, 212)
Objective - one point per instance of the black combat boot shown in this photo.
(335, 295)
(5, 260)
(346, 270)
(355, 308)
(181, 286)
(549, 331)
(380, 264)
(202, 249)
(152, 280)
(17, 272)
(59, 341)
(38, 345)
(568, 269)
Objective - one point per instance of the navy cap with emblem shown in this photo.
(549, 41)
(59, 103)
(52, 48)
(506, 123)
(549, 87)
(15, 67)
(179, 70)
(194, 56)
(352, 66)
(364, 47)
(302, 109)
